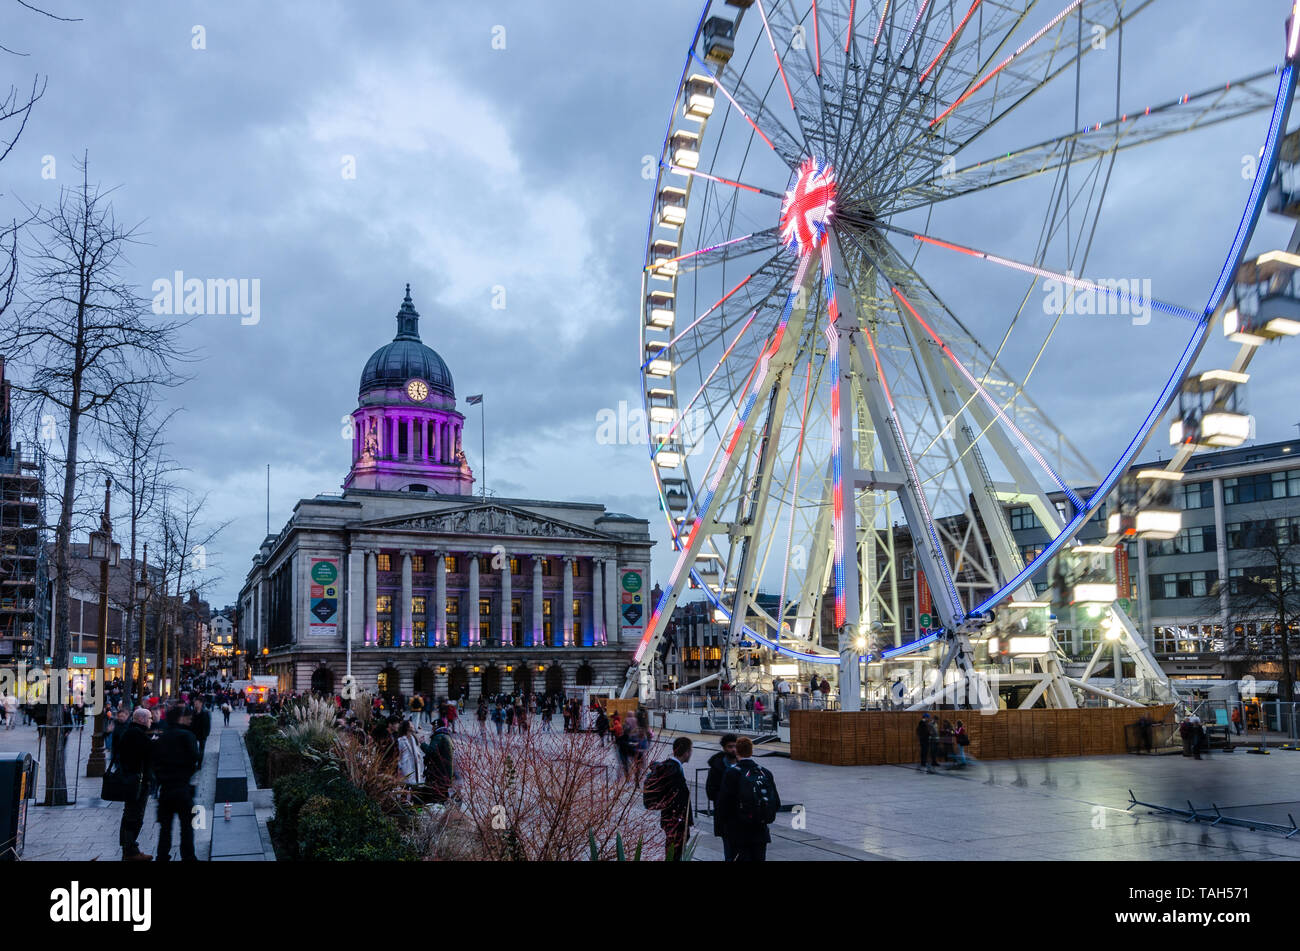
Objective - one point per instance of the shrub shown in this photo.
(260, 731)
(291, 794)
(348, 829)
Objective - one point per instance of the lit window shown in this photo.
(417, 605)
(546, 607)
(484, 607)
(417, 564)
(419, 634)
(514, 566)
(385, 562)
(546, 566)
(384, 604)
(450, 563)
(576, 572)
(453, 607)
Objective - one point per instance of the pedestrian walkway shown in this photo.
(88, 829)
(1043, 809)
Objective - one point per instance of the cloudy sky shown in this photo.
(476, 169)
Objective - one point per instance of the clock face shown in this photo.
(417, 390)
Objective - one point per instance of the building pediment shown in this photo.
(488, 519)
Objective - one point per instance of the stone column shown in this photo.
(507, 615)
(440, 595)
(537, 601)
(611, 600)
(406, 635)
(568, 601)
(356, 595)
(372, 588)
(472, 616)
(424, 439)
(597, 604)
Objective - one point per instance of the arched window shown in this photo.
(458, 683)
(490, 682)
(585, 676)
(389, 680)
(322, 681)
(555, 679)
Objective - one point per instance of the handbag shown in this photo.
(963, 739)
(120, 786)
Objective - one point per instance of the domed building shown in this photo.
(410, 583)
(406, 431)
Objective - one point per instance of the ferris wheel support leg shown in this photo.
(846, 544)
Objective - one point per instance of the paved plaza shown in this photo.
(1053, 809)
(1048, 809)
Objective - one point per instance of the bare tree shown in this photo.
(85, 339)
(1267, 591)
(185, 538)
(133, 430)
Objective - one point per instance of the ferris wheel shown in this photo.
(862, 287)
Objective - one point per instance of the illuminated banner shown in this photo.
(1121, 570)
(323, 598)
(631, 588)
(924, 604)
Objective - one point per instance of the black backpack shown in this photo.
(657, 792)
(757, 797)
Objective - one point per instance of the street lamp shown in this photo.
(108, 552)
(142, 594)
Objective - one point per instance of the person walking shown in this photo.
(225, 713)
(409, 760)
(201, 726)
(719, 762)
(602, 725)
(439, 768)
(1236, 719)
(131, 753)
(175, 760)
(962, 740)
(825, 689)
(677, 817)
(925, 736)
(747, 804)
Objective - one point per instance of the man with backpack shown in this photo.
(666, 790)
(747, 805)
(719, 763)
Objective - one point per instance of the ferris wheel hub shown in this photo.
(809, 207)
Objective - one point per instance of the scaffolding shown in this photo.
(24, 608)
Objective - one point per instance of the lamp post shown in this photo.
(106, 550)
(142, 593)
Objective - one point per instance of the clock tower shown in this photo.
(406, 431)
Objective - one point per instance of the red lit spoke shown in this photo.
(1006, 62)
(960, 26)
(880, 28)
(722, 89)
(817, 43)
(668, 346)
(696, 173)
(772, 43)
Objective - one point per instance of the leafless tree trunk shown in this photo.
(1268, 589)
(135, 437)
(85, 340)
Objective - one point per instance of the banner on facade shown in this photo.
(323, 600)
(1121, 571)
(632, 607)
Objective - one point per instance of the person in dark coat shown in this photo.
(201, 726)
(131, 752)
(718, 764)
(175, 760)
(748, 837)
(439, 767)
(677, 817)
(926, 735)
